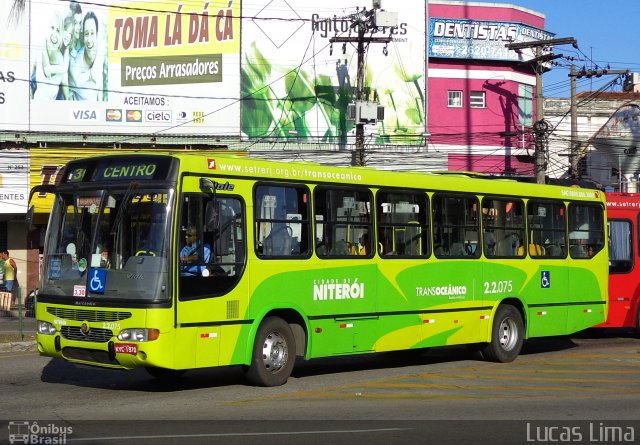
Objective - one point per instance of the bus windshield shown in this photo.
(109, 245)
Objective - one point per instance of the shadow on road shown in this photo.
(62, 372)
(59, 371)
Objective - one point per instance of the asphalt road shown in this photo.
(583, 386)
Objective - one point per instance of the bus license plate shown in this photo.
(126, 348)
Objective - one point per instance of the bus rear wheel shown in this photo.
(507, 335)
(273, 353)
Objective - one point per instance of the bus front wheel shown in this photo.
(507, 335)
(273, 353)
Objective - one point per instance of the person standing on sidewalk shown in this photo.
(10, 271)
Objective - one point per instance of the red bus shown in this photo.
(624, 261)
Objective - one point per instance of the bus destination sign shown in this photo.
(123, 170)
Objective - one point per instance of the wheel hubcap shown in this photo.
(275, 352)
(508, 334)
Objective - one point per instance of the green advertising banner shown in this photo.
(297, 86)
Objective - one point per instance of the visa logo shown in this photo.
(84, 115)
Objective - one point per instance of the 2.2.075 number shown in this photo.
(498, 287)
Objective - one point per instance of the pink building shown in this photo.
(481, 95)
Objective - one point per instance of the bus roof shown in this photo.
(230, 166)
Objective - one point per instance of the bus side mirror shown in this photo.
(29, 217)
(207, 186)
(48, 188)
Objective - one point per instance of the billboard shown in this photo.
(261, 70)
(120, 67)
(481, 40)
(296, 85)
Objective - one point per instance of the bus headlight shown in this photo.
(138, 334)
(46, 328)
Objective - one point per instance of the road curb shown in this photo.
(18, 346)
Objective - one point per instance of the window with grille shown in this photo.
(455, 99)
(477, 99)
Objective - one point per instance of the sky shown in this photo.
(608, 33)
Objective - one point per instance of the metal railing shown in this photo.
(17, 315)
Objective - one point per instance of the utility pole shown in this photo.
(574, 152)
(573, 109)
(541, 127)
(365, 111)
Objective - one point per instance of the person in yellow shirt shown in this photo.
(10, 271)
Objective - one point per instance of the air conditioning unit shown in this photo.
(386, 19)
(364, 112)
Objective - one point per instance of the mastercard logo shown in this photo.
(134, 116)
(114, 115)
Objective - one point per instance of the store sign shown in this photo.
(481, 40)
(14, 181)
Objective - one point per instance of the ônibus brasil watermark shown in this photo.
(35, 433)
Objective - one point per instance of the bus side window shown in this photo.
(343, 217)
(456, 224)
(282, 221)
(620, 246)
(504, 229)
(586, 230)
(403, 224)
(546, 229)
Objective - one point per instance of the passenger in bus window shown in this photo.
(364, 246)
(190, 254)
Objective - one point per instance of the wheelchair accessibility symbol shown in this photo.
(98, 280)
(545, 279)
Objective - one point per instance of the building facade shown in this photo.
(606, 139)
(481, 95)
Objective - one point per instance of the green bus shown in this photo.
(176, 262)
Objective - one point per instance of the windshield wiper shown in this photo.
(125, 203)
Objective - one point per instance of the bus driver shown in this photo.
(190, 254)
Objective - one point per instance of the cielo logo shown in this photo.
(134, 115)
(158, 116)
(84, 115)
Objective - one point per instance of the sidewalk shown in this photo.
(17, 331)
(12, 342)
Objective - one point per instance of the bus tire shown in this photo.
(274, 353)
(164, 374)
(507, 335)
